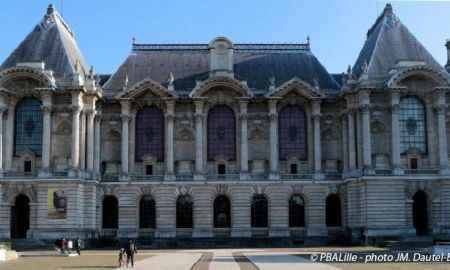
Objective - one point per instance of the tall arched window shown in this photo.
(292, 132)
(147, 212)
(221, 132)
(150, 133)
(222, 217)
(259, 212)
(412, 124)
(110, 213)
(296, 211)
(28, 126)
(333, 211)
(185, 212)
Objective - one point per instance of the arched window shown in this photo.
(420, 212)
(412, 124)
(296, 211)
(222, 217)
(147, 212)
(150, 133)
(221, 132)
(185, 212)
(333, 211)
(259, 212)
(292, 132)
(110, 213)
(28, 127)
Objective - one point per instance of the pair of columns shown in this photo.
(273, 140)
(127, 156)
(199, 117)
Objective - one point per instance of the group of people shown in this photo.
(67, 245)
(129, 250)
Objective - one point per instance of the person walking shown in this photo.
(62, 242)
(78, 246)
(130, 250)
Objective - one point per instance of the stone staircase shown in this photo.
(411, 243)
(21, 245)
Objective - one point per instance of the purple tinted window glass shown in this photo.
(150, 133)
(221, 132)
(292, 132)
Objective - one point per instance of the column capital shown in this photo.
(440, 108)
(243, 116)
(76, 109)
(125, 117)
(169, 116)
(47, 110)
(199, 116)
(273, 116)
(365, 108)
(90, 113)
(351, 111)
(395, 108)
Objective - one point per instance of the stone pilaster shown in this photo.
(244, 175)
(3, 109)
(76, 110)
(441, 108)
(395, 134)
(364, 105)
(344, 130)
(83, 143)
(90, 142)
(351, 142)
(126, 115)
(199, 173)
(46, 141)
(9, 147)
(273, 140)
(132, 143)
(170, 115)
(97, 144)
(318, 174)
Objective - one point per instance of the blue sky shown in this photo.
(337, 28)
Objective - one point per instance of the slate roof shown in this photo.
(254, 63)
(389, 41)
(53, 42)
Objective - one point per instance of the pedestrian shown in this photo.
(69, 246)
(61, 244)
(121, 257)
(130, 249)
(78, 245)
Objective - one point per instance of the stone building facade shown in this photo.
(224, 141)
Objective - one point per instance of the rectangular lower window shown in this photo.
(414, 163)
(294, 169)
(148, 170)
(221, 169)
(27, 166)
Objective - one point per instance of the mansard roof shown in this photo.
(253, 63)
(53, 42)
(388, 42)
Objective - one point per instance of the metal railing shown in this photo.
(136, 177)
(220, 177)
(20, 174)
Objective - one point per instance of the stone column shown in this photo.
(244, 175)
(126, 114)
(9, 147)
(273, 140)
(443, 152)
(351, 142)
(83, 143)
(46, 141)
(199, 173)
(395, 134)
(90, 143)
(132, 148)
(170, 115)
(364, 105)
(97, 142)
(76, 110)
(3, 109)
(344, 130)
(318, 174)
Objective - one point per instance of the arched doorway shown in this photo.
(420, 213)
(110, 213)
(147, 217)
(20, 217)
(185, 212)
(222, 217)
(333, 211)
(259, 212)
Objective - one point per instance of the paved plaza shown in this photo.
(205, 259)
